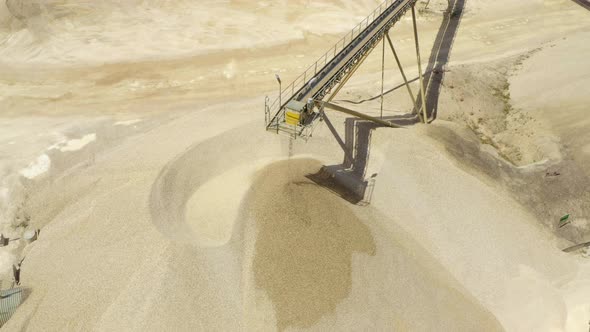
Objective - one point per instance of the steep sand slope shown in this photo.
(495, 248)
(327, 264)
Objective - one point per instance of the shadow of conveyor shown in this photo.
(440, 56)
(583, 3)
(349, 179)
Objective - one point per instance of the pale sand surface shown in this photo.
(163, 204)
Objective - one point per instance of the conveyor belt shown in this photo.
(318, 80)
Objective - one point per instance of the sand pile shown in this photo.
(165, 205)
(316, 259)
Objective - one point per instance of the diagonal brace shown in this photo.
(345, 110)
(401, 69)
(347, 156)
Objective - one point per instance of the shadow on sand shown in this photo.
(583, 3)
(440, 55)
(350, 180)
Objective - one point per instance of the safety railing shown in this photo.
(289, 91)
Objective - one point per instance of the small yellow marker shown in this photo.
(292, 118)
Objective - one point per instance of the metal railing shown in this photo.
(289, 91)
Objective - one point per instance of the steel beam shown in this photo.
(401, 69)
(422, 93)
(382, 76)
(347, 156)
(338, 108)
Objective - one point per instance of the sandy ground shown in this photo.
(137, 146)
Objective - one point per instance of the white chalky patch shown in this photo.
(37, 167)
(230, 70)
(77, 144)
(127, 122)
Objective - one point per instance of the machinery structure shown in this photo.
(299, 105)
